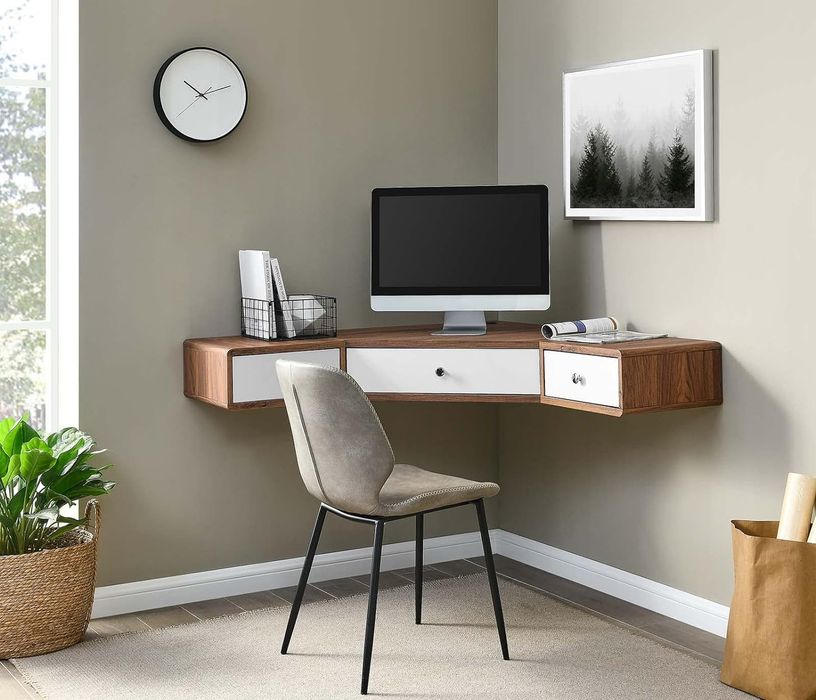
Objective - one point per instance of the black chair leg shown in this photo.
(418, 569)
(304, 577)
(491, 576)
(379, 526)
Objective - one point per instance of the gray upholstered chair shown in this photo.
(347, 463)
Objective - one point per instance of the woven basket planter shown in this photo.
(46, 597)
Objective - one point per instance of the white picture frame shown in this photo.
(630, 106)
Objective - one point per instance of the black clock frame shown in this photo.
(157, 99)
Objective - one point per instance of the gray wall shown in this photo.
(654, 494)
(343, 96)
(346, 96)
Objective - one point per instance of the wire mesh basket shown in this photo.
(299, 316)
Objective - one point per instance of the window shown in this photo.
(30, 231)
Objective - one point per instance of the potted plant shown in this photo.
(47, 559)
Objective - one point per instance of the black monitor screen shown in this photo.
(460, 240)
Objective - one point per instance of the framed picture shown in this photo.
(638, 140)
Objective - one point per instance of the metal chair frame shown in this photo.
(379, 526)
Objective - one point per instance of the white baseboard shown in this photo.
(188, 588)
(679, 605)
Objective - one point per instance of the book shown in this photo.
(256, 277)
(594, 330)
(287, 327)
(257, 290)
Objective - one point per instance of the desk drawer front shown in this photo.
(577, 377)
(254, 377)
(463, 371)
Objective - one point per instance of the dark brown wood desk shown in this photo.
(512, 363)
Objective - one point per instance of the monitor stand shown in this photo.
(463, 323)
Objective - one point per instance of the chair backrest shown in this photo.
(342, 450)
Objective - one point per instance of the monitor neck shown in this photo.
(463, 323)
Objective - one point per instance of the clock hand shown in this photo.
(191, 104)
(210, 92)
(200, 94)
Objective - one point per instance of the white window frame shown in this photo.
(61, 217)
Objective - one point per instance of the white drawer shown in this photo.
(463, 371)
(589, 378)
(254, 377)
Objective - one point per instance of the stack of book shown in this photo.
(262, 281)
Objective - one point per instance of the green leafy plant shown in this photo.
(39, 475)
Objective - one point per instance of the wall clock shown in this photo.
(200, 94)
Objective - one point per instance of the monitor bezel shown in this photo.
(441, 298)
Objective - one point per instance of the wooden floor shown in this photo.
(707, 646)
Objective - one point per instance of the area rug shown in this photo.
(557, 651)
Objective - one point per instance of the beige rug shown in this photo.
(556, 652)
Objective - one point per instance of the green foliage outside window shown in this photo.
(22, 228)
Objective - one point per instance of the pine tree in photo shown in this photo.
(623, 163)
(598, 183)
(646, 190)
(584, 190)
(687, 121)
(620, 129)
(652, 153)
(579, 128)
(631, 191)
(677, 181)
(609, 184)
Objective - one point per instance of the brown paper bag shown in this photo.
(771, 646)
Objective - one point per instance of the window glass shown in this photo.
(22, 204)
(23, 375)
(25, 38)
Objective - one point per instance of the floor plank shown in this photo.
(689, 637)
(460, 567)
(166, 617)
(388, 579)
(12, 683)
(429, 573)
(118, 624)
(310, 595)
(341, 587)
(258, 601)
(208, 609)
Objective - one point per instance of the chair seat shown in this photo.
(410, 489)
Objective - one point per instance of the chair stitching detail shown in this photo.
(306, 437)
(425, 494)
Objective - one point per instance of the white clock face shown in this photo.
(200, 95)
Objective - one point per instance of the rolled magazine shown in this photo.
(555, 331)
(597, 331)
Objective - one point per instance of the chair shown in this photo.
(346, 462)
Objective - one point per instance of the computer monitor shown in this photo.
(461, 250)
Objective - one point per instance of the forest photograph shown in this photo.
(630, 135)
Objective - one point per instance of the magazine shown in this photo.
(555, 331)
(594, 330)
(611, 337)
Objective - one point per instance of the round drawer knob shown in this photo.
(440, 372)
(577, 378)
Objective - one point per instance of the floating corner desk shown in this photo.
(512, 363)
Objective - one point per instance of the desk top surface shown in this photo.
(503, 334)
